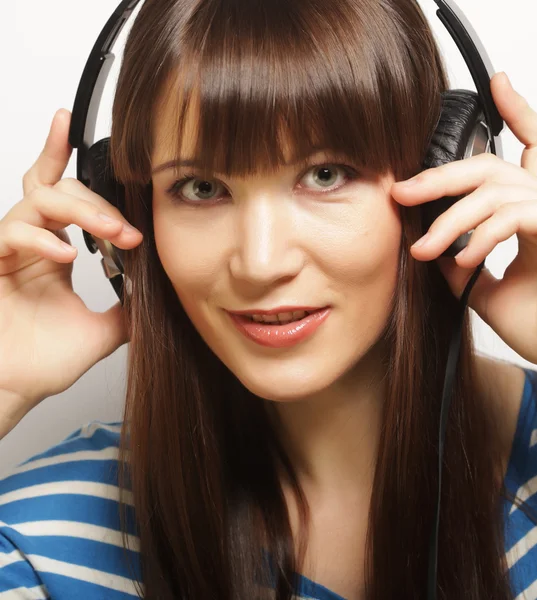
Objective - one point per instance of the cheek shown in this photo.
(363, 249)
(189, 261)
(383, 239)
(190, 271)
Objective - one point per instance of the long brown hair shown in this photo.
(364, 78)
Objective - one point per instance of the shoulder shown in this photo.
(87, 458)
(504, 383)
(512, 391)
(59, 519)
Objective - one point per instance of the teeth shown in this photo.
(280, 318)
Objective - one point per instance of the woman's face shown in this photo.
(315, 237)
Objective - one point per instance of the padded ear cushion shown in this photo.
(101, 175)
(102, 181)
(461, 115)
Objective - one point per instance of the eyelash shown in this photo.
(174, 191)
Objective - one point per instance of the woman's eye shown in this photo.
(326, 177)
(195, 190)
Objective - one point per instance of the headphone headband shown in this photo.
(476, 58)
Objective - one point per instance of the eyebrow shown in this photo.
(193, 162)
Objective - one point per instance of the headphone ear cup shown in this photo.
(102, 181)
(101, 175)
(460, 118)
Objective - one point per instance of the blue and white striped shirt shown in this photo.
(60, 533)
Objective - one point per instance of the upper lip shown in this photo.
(274, 311)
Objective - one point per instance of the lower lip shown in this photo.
(280, 336)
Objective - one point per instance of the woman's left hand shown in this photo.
(501, 201)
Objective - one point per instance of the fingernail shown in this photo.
(507, 78)
(422, 241)
(67, 247)
(129, 229)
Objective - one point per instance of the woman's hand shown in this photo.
(48, 337)
(501, 201)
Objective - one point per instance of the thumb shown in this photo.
(50, 166)
(113, 328)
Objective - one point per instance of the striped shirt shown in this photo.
(60, 533)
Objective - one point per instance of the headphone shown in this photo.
(469, 124)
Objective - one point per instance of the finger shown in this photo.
(20, 237)
(519, 117)
(52, 162)
(467, 214)
(51, 209)
(74, 187)
(517, 218)
(459, 177)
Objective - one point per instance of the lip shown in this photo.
(275, 311)
(280, 336)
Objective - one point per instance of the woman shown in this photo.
(246, 446)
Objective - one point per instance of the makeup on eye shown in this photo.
(193, 183)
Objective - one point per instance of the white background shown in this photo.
(44, 47)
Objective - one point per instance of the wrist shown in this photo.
(13, 408)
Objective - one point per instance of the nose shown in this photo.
(266, 247)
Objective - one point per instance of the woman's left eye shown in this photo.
(324, 177)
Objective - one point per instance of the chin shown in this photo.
(269, 393)
(293, 383)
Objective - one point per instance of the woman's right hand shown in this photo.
(48, 336)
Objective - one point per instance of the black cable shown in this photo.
(447, 393)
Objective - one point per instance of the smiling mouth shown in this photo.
(278, 334)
